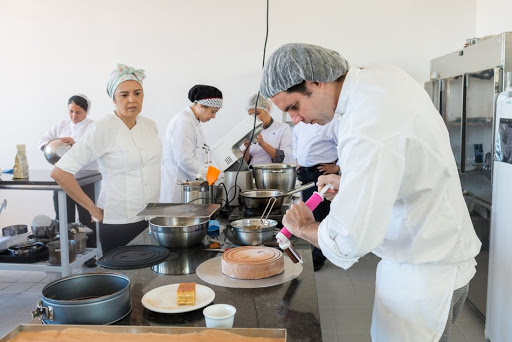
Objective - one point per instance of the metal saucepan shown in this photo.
(253, 231)
(258, 199)
(55, 251)
(25, 249)
(81, 241)
(178, 231)
(17, 229)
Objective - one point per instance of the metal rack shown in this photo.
(43, 181)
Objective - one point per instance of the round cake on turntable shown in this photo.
(252, 262)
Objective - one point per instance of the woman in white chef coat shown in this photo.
(275, 143)
(185, 153)
(70, 131)
(128, 151)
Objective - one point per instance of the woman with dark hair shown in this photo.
(185, 152)
(70, 131)
(128, 151)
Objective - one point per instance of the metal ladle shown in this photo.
(266, 213)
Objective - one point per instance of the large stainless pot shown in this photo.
(251, 231)
(92, 298)
(258, 199)
(55, 251)
(244, 182)
(178, 231)
(81, 241)
(275, 176)
(197, 192)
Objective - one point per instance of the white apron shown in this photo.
(397, 284)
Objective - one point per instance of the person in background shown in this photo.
(274, 144)
(315, 149)
(70, 131)
(185, 153)
(128, 151)
(399, 195)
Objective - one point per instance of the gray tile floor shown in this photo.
(345, 299)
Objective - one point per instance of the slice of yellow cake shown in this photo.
(186, 294)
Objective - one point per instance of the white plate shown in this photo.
(163, 299)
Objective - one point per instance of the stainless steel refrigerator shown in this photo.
(464, 87)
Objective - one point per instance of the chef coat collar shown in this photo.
(269, 124)
(130, 129)
(196, 120)
(348, 87)
(77, 125)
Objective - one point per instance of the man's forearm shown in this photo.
(309, 232)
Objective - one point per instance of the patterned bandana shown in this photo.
(213, 102)
(121, 74)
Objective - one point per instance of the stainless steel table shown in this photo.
(41, 180)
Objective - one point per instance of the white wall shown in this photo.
(493, 17)
(53, 48)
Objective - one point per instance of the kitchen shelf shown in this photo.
(41, 180)
(45, 266)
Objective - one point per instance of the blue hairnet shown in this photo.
(293, 63)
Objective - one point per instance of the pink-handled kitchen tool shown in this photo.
(283, 237)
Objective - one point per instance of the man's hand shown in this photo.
(330, 168)
(334, 180)
(67, 140)
(297, 218)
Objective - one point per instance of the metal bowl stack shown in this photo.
(44, 229)
(179, 231)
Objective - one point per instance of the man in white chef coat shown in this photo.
(399, 195)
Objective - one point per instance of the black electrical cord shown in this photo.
(255, 116)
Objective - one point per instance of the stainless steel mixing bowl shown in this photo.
(251, 231)
(178, 231)
(46, 232)
(55, 149)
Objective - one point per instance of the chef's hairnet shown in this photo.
(206, 95)
(293, 63)
(263, 103)
(81, 100)
(121, 74)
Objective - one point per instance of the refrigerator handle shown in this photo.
(498, 87)
(465, 82)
